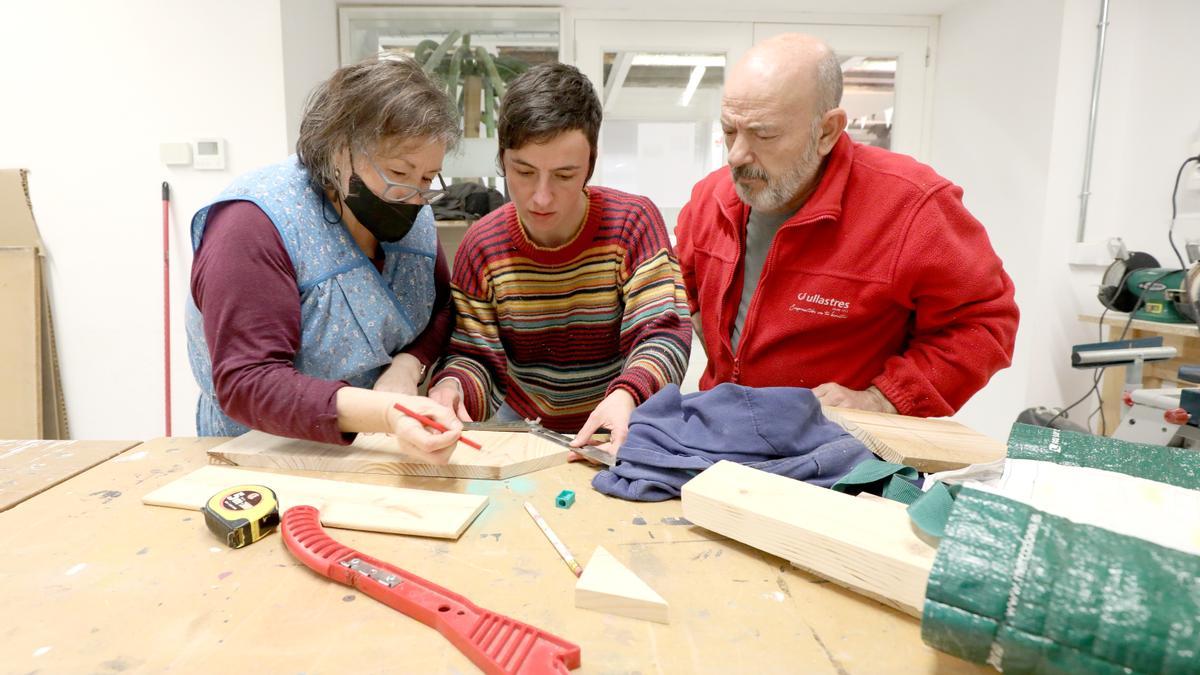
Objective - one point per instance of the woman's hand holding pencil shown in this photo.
(435, 425)
(422, 428)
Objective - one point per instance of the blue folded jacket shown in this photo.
(673, 437)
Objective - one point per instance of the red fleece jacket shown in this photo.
(882, 278)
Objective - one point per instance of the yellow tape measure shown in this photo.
(242, 514)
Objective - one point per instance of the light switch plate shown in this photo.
(175, 154)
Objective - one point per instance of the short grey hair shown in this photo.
(369, 104)
(829, 82)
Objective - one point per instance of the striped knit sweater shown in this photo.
(553, 331)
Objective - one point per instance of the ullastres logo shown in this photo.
(830, 307)
(818, 299)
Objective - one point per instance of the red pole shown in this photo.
(166, 241)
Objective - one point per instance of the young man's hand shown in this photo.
(448, 392)
(612, 413)
(402, 377)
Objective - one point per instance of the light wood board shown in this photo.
(861, 544)
(925, 444)
(504, 454)
(352, 506)
(610, 587)
(29, 467)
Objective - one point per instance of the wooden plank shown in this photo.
(505, 454)
(352, 506)
(20, 343)
(29, 467)
(924, 444)
(863, 545)
(610, 587)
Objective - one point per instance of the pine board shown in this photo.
(610, 587)
(353, 506)
(927, 445)
(864, 545)
(504, 454)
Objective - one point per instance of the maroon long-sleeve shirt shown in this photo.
(244, 284)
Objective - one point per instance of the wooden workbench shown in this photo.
(94, 581)
(28, 468)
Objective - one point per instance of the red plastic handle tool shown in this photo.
(494, 642)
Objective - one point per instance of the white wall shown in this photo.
(91, 89)
(310, 53)
(992, 119)
(1010, 118)
(1149, 116)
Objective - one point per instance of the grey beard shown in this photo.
(775, 194)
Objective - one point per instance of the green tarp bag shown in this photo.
(1030, 592)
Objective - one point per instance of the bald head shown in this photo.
(793, 66)
(781, 117)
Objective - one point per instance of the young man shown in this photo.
(571, 305)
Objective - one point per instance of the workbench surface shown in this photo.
(94, 581)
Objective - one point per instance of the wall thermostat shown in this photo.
(210, 154)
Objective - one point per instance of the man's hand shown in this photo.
(402, 377)
(449, 393)
(836, 395)
(612, 413)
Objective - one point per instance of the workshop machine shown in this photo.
(1137, 285)
(1135, 282)
(1165, 416)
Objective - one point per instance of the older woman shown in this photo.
(320, 292)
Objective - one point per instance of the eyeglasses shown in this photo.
(403, 192)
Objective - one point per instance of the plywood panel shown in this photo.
(504, 454)
(861, 544)
(925, 444)
(353, 506)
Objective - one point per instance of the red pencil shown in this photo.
(430, 423)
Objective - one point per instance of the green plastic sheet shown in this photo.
(1030, 592)
(1174, 466)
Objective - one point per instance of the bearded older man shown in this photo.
(814, 261)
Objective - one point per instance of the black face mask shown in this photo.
(387, 221)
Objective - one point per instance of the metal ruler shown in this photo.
(535, 427)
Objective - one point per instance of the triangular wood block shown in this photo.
(610, 587)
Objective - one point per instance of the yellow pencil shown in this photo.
(558, 545)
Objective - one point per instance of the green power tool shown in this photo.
(1135, 282)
